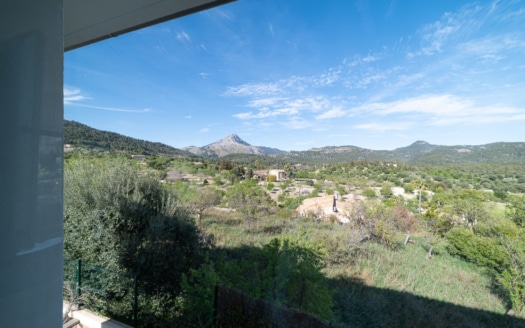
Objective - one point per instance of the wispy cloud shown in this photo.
(72, 94)
(443, 110)
(332, 113)
(383, 127)
(114, 109)
(204, 130)
(188, 117)
(183, 37)
(255, 89)
(225, 14)
(437, 84)
(296, 123)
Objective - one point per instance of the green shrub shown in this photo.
(369, 193)
(271, 178)
(483, 251)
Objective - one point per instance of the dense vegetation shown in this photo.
(428, 245)
(80, 135)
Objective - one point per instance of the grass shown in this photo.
(495, 209)
(371, 280)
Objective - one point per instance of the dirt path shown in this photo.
(324, 205)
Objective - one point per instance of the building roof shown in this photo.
(89, 21)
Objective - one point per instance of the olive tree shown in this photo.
(124, 220)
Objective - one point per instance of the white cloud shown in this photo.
(254, 90)
(383, 127)
(270, 27)
(204, 130)
(443, 110)
(114, 109)
(492, 45)
(370, 58)
(72, 94)
(332, 113)
(296, 123)
(265, 102)
(183, 37)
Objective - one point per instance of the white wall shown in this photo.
(31, 123)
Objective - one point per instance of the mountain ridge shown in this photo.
(232, 146)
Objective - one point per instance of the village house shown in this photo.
(139, 157)
(279, 174)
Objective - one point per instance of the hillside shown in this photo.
(81, 135)
(236, 149)
(501, 153)
(418, 153)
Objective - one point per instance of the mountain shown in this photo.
(505, 153)
(418, 153)
(236, 149)
(414, 151)
(232, 144)
(80, 135)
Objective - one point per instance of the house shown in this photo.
(279, 174)
(139, 157)
(259, 175)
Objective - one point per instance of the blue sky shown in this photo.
(300, 74)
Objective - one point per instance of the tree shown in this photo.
(125, 221)
(203, 199)
(513, 276)
(515, 210)
(249, 173)
(286, 271)
(386, 190)
(249, 199)
(469, 205)
(420, 186)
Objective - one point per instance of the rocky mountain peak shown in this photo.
(232, 138)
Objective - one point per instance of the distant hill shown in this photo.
(232, 144)
(234, 148)
(418, 153)
(504, 153)
(81, 135)
(414, 151)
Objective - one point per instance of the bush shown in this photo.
(369, 193)
(126, 221)
(121, 219)
(483, 251)
(285, 271)
(271, 178)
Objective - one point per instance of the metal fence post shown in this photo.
(215, 300)
(79, 277)
(135, 302)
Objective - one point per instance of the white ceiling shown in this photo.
(89, 21)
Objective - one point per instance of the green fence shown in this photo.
(103, 291)
(125, 299)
